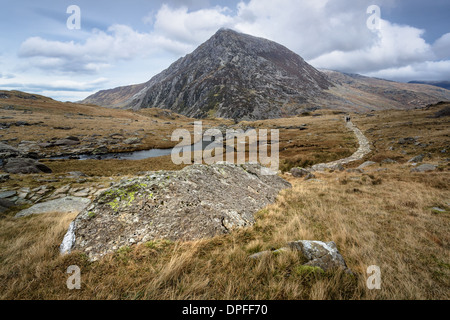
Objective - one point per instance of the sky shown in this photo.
(128, 42)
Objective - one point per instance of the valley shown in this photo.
(353, 207)
(360, 182)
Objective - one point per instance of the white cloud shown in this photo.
(192, 27)
(327, 33)
(395, 46)
(61, 84)
(442, 47)
(310, 27)
(425, 71)
(7, 76)
(99, 50)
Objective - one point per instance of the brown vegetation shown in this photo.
(380, 217)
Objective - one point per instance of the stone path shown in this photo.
(363, 150)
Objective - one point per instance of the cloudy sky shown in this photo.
(126, 42)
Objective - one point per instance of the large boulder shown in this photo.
(25, 166)
(197, 202)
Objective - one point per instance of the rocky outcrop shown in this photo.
(197, 202)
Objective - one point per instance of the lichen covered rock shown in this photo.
(197, 202)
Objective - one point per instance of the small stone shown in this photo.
(366, 164)
(4, 177)
(310, 176)
(62, 190)
(388, 161)
(76, 174)
(7, 194)
(417, 159)
(132, 141)
(355, 170)
(299, 172)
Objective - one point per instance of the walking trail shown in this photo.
(363, 150)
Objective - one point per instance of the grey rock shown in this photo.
(408, 140)
(5, 205)
(299, 172)
(310, 176)
(4, 177)
(73, 138)
(64, 205)
(66, 142)
(76, 174)
(424, 168)
(196, 202)
(82, 193)
(388, 161)
(355, 170)
(417, 159)
(7, 194)
(7, 151)
(366, 164)
(320, 254)
(132, 141)
(25, 166)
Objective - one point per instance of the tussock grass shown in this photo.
(389, 224)
(383, 218)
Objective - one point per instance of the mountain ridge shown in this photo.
(242, 77)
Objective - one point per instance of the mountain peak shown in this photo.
(233, 75)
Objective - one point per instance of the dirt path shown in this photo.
(363, 150)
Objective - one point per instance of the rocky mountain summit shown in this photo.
(197, 202)
(232, 75)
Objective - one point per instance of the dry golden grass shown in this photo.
(386, 128)
(48, 115)
(382, 218)
(374, 220)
